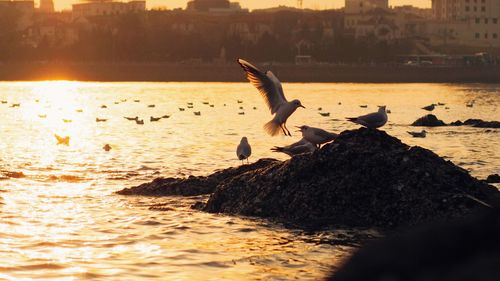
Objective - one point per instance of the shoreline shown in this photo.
(227, 72)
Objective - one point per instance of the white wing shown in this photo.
(268, 85)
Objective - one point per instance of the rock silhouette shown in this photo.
(364, 178)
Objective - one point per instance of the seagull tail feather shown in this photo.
(272, 128)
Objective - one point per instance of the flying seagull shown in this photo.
(244, 150)
(371, 120)
(300, 147)
(316, 136)
(271, 90)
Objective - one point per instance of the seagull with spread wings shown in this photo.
(271, 90)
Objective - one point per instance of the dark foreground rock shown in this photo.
(495, 178)
(192, 185)
(364, 178)
(461, 250)
(430, 120)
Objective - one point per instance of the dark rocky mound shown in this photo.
(495, 178)
(364, 178)
(462, 250)
(478, 123)
(429, 120)
(192, 185)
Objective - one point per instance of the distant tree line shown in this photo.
(177, 36)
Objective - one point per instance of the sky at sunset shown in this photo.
(255, 4)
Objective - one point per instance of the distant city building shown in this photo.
(363, 6)
(466, 22)
(46, 6)
(107, 8)
(26, 10)
(215, 6)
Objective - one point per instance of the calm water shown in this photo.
(59, 219)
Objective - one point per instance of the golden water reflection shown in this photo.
(61, 221)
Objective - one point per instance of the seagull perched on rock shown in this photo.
(316, 136)
(422, 134)
(300, 147)
(244, 150)
(271, 90)
(371, 120)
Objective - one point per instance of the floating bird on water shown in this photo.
(79, 110)
(62, 140)
(42, 115)
(422, 134)
(363, 106)
(441, 104)
(254, 108)
(190, 103)
(316, 136)
(470, 103)
(16, 105)
(324, 114)
(241, 113)
(132, 118)
(300, 147)
(139, 122)
(107, 147)
(165, 116)
(101, 120)
(154, 119)
(429, 107)
(212, 105)
(151, 105)
(241, 107)
(181, 109)
(137, 100)
(239, 101)
(104, 106)
(67, 120)
(123, 100)
(4, 101)
(271, 90)
(244, 150)
(197, 113)
(117, 102)
(205, 102)
(190, 106)
(371, 120)
(320, 108)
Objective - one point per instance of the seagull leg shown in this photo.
(283, 129)
(284, 125)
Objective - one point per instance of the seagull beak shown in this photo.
(302, 106)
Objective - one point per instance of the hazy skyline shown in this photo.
(256, 4)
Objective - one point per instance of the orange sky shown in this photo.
(255, 4)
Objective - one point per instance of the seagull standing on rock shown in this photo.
(271, 90)
(244, 150)
(372, 120)
(300, 147)
(316, 136)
